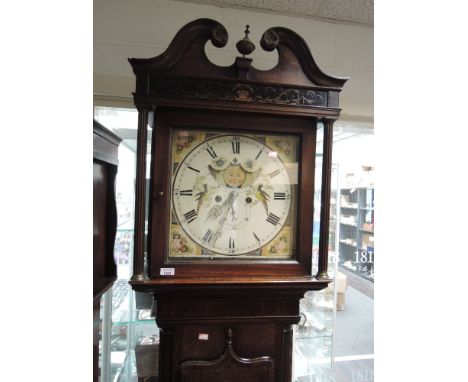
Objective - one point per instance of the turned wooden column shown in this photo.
(140, 191)
(325, 199)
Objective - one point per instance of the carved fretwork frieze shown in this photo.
(235, 91)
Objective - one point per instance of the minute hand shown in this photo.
(230, 201)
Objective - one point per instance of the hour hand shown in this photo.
(262, 196)
(201, 197)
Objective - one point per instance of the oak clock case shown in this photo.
(233, 196)
(231, 201)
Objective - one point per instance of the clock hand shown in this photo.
(231, 207)
(263, 197)
(202, 196)
(230, 201)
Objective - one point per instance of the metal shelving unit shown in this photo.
(356, 247)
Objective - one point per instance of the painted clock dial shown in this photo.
(231, 195)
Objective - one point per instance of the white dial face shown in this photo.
(231, 195)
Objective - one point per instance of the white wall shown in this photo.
(144, 28)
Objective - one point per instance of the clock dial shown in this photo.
(231, 195)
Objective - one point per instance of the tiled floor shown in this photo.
(354, 371)
(359, 283)
(354, 333)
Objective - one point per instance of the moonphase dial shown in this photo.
(231, 195)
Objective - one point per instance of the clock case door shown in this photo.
(228, 123)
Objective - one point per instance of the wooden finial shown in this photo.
(245, 46)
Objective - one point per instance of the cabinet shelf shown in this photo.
(135, 322)
(356, 188)
(363, 198)
(309, 337)
(351, 245)
(348, 224)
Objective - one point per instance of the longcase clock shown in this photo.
(229, 247)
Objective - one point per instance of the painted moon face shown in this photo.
(234, 176)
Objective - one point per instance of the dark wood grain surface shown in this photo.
(229, 366)
(105, 160)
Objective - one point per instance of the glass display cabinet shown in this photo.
(314, 334)
(134, 338)
(129, 345)
(129, 337)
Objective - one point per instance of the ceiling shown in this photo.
(122, 30)
(352, 11)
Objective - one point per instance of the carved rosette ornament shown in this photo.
(269, 40)
(219, 36)
(243, 92)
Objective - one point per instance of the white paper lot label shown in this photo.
(167, 272)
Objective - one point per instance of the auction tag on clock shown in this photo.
(167, 272)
